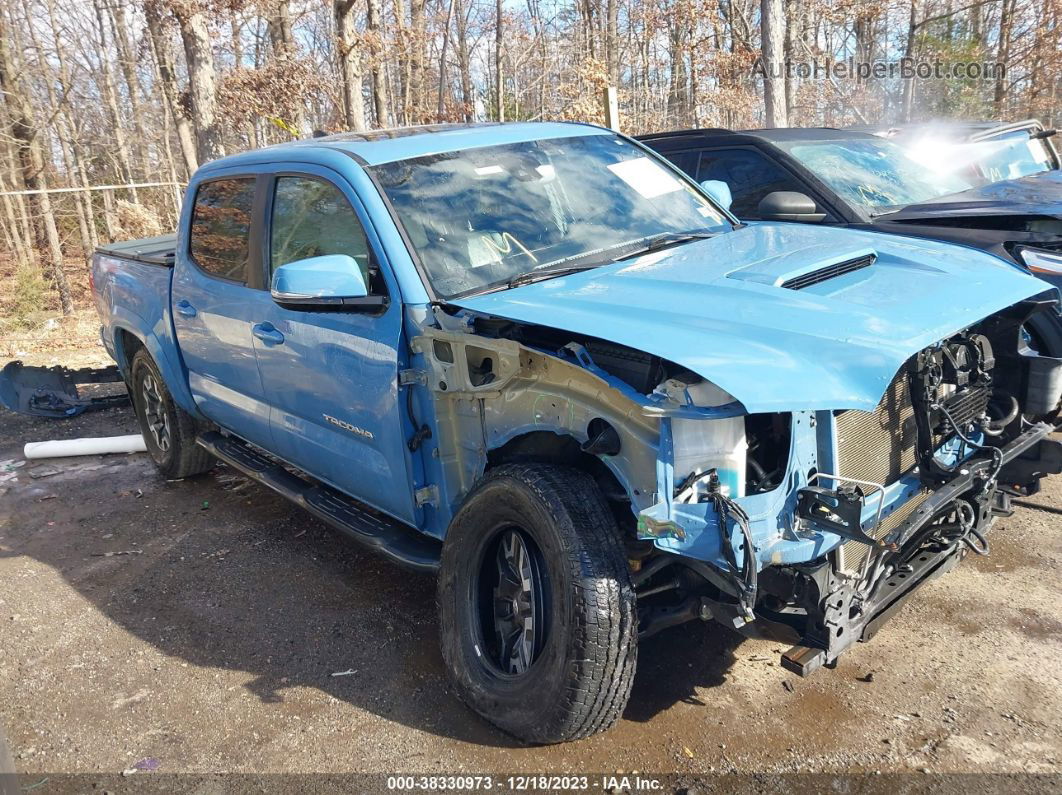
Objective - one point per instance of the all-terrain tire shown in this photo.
(182, 457)
(580, 681)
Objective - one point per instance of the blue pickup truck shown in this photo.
(537, 359)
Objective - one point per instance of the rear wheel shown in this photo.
(169, 431)
(536, 608)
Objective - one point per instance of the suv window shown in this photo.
(221, 227)
(750, 175)
(312, 217)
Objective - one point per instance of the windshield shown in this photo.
(874, 174)
(480, 217)
(1008, 156)
(994, 158)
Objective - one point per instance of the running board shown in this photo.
(391, 538)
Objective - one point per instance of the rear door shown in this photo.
(217, 296)
(332, 377)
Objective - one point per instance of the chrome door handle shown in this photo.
(185, 308)
(267, 333)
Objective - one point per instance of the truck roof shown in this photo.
(384, 146)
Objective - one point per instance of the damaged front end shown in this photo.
(873, 503)
(811, 525)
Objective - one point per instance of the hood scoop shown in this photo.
(820, 275)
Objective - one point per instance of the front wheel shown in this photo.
(169, 431)
(536, 608)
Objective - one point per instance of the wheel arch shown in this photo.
(560, 447)
(127, 341)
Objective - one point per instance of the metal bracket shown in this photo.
(429, 495)
(407, 377)
(839, 511)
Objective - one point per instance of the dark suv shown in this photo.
(848, 178)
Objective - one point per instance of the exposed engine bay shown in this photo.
(807, 526)
(910, 488)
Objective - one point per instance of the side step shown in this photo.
(393, 539)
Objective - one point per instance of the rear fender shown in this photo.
(162, 349)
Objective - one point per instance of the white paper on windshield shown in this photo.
(646, 177)
(1037, 151)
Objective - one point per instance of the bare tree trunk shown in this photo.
(201, 83)
(772, 36)
(127, 64)
(282, 41)
(24, 132)
(464, 62)
(977, 30)
(792, 46)
(160, 44)
(907, 99)
(1006, 22)
(349, 64)
(75, 160)
(373, 22)
(499, 90)
(417, 93)
(110, 99)
(405, 61)
(19, 243)
(678, 94)
(281, 36)
(612, 58)
(441, 109)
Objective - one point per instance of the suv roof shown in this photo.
(679, 137)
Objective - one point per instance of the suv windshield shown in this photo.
(478, 218)
(874, 174)
(1010, 155)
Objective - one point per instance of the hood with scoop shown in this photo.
(783, 317)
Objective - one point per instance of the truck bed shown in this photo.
(150, 250)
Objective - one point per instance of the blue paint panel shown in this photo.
(133, 298)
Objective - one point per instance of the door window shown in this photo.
(312, 217)
(221, 227)
(750, 175)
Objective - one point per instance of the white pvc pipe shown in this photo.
(134, 443)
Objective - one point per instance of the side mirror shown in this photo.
(789, 205)
(719, 191)
(330, 281)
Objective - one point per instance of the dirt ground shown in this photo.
(207, 625)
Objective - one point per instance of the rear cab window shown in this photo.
(219, 241)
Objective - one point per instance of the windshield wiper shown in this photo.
(666, 240)
(541, 274)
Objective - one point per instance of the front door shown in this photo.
(218, 295)
(332, 377)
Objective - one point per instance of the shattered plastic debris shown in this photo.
(146, 765)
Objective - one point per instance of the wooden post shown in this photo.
(611, 103)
